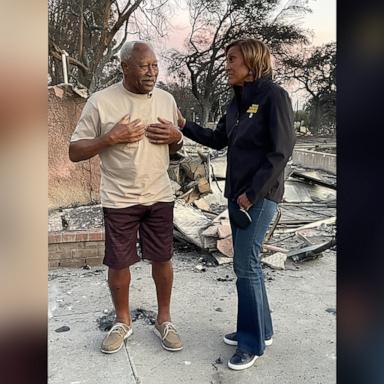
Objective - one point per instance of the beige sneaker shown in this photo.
(170, 340)
(115, 338)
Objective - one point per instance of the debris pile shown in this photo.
(302, 229)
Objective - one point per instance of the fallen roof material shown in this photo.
(311, 251)
(330, 220)
(189, 221)
(312, 179)
(275, 261)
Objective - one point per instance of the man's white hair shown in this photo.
(127, 48)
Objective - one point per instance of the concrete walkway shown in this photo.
(302, 299)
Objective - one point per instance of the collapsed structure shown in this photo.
(304, 225)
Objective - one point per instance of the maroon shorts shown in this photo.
(154, 224)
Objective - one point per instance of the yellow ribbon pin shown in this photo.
(252, 109)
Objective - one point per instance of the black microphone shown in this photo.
(149, 95)
(241, 218)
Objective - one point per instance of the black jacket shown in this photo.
(258, 130)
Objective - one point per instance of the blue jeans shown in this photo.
(254, 323)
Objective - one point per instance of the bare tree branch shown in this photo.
(105, 27)
(56, 52)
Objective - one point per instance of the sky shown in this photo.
(321, 21)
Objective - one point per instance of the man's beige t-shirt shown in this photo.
(133, 173)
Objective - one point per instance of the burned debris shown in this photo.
(303, 228)
(106, 321)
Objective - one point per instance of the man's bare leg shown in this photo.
(162, 273)
(118, 281)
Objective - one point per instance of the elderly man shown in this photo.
(131, 125)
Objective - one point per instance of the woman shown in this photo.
(258, 130)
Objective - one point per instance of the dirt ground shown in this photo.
(302, 299)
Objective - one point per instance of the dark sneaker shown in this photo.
(115, 338)
(231, 339)
(241, 360)
(170, 339)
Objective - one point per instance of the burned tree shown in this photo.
(92, 32)
(315, 71)
(215, 24)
